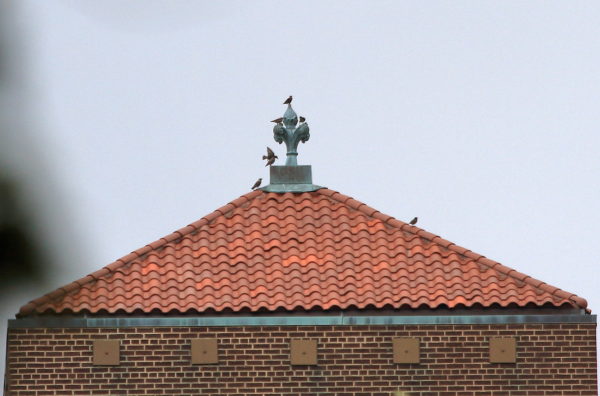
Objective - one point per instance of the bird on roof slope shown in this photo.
(257, 184)
(288, 100)
(302, 119)
(278, 120)
(414, 221)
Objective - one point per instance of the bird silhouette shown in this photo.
(278, 120)
(270, 157)
(414, 221)
(257, 184)
(270, 154)
(302, 119)
(288, 100)
(270, 161)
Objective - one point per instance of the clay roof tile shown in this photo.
(317, 250)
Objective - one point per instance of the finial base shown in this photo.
(295, 179)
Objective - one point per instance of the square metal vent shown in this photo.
(106, 353)
(406, 350)
(303, 352)
(204, 351)
(503, 350)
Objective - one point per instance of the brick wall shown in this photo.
(552, 359)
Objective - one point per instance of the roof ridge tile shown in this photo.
(382, 216)
(326, 191)
(175, 235)
(98, 274)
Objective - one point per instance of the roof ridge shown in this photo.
(478, 258)
(128, 258)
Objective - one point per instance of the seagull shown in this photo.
(278, 120)
(288, 100)
(302, 119)
(257, 184)
(414, 221)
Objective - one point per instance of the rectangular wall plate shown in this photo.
(406, 350)
(303, 352)
(106, 353)
(503, 350)
(204, 351)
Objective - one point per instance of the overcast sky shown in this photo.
(480, 117)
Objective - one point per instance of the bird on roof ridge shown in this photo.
(257, 184)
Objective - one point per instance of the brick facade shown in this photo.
(552, 359)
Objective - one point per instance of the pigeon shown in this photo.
(302, 119)
(257, 184)
(414, 221)
(278, 120)
(288, 100)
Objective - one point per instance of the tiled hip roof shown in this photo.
(317, 250)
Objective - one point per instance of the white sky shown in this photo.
(481, 118)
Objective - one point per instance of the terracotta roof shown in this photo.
(317, 250)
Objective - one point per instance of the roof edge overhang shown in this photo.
(310, 320)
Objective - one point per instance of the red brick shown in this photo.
(353, 360)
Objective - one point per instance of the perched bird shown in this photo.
(414, 221)
(288, 100)
(302, 119)
(257, 184)
(270, 154)
(278, 120)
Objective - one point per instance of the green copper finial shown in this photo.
(292, 133)
(291, 177)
